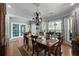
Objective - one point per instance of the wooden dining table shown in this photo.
(47, 44)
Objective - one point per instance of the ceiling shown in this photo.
(50, 11)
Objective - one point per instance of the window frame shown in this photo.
(19, 29)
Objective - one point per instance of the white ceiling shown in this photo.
(48, 10)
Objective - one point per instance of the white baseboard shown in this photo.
(15, 38)
(67, 42)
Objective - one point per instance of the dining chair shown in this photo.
(26, 40)
(37, 47)
(47, 36)
(56, 48)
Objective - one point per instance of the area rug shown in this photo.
(25, 52)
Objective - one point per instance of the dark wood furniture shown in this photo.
(46, 45)
(56, 48)
(48, 35)
(36, 47)
(25, 39)
(52, 46)
(2, 29)
(75, 48)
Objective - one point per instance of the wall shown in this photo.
(66, 25)
(77, 16)
(16, 19)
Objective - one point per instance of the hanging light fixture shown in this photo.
(37, 18)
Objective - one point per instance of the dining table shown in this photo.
(47, 44)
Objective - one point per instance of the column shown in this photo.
(62, 28)
(66, 29)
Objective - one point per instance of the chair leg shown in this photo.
(33, 51)
(45, 52)
(37, 53)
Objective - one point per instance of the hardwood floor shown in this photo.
(66, 50)
(12, 48)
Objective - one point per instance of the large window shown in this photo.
(51, 26)
(23, 29)
(18, 29)
(43, 26)
(15, 30)
(54, 26)
(58, 27)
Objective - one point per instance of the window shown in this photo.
(43, 26)
(15, 30)
(58, 27)
(18, 29)
(51, 26)
(54, 26)
(22, 29)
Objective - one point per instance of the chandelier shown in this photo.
(37, 18)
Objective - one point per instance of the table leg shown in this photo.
(45, 52)
(49, 52)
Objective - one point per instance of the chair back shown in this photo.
(60, 41)
(26, 38)
(57, 47)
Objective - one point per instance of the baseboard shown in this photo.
(14, 39)
(68, 43)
